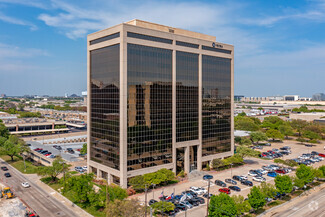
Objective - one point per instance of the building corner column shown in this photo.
(123, 109)
(199, 148)
(174, 109)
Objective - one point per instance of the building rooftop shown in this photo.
(163, 28)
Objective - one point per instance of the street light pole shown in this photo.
(208, 198)
(231, 170)
(145, 201)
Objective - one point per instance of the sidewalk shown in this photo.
(76, 209)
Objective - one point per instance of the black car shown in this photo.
(180, 206)
(206, 195)
(314, 153)
(4, 168)
(246, 182)
(234, 188)
(193, 202)
(238, 178)
(200, 199)
(44, 151)
(7, 175)
(220, 183)
(207, 177)
(152, 201)
(169, 213)
(230, 181)
(190, 192)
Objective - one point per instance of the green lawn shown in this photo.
(18, 163)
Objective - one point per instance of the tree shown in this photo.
(298, 125)
(245, 141)
(3, 131)
(256, 198)
(305, 173)
(322, 169)
(116, 192)
(267, 189)
(272, 122)
(237, 139)
(286, 130)
(298, 182)
(234, 159)
(247, 152)
(13, 146)
(58, 167)
(311, 135)
(137, 183)
(80, 188)
(245, 123)
(216, 163)
(84, 149)
(283, 184)
(162, 206)
(222, 205)
(274, 134)
(120, 208)
(242, 205)
(258, 136)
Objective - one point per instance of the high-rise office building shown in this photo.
(158, 97)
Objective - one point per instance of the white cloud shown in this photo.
(31, 3)
(9, 51)
(17, 21)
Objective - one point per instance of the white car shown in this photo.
(262, 171)
(259, 179)
(85, 167)
(197, 190)
(25, 184)
(252, 173)
(243, 177)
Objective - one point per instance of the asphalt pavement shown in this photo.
(312, 206)
(34, 197)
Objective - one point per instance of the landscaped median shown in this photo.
(19, 164)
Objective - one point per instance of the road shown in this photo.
(313, 206)
(35, 197)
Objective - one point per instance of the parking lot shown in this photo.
(251, 164)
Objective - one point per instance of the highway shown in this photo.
(312, 206)
(34, 197)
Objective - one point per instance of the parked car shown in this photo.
(152, 201)
(268, 199)
(7, 175)
(263, 172)
(314, 153)
(259, 179)
(267, 144)
(200, 199)
(252, 173)
(206, 195)
(207, 177)
(180, 206)
(187, 204)
(282, 171)
(230, 181)
(224, 190)
(193, 201)
(246, 182)
(220, 183)
(4, 168)
(234, 188)
(322, 155)
(243, 177)
(267, 168)
(198, 190)
(272, 174)
(238, 178)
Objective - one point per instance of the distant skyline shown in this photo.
(279, 45)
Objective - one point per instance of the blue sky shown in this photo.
(279, 45)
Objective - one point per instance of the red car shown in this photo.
(48, 154)
(321, 155)
(280, 171)
(270, 151)
(38, 149)
(225, 190)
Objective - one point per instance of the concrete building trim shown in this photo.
(162, 32)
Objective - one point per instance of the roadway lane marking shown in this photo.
(305, 205)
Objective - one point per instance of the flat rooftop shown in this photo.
(169, 29)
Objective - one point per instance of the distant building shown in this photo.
(319, 97)
(291, 98)
(238, 98)
(74, 95)
(3, 95)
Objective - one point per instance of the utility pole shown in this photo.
(107, 197)
(145, 201)
(153, 191)
(208, 198)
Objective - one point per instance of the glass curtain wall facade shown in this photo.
(216, 105)
(104, 114)
(149, 88)
(187, 96)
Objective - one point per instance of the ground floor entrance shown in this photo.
(186, 159)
